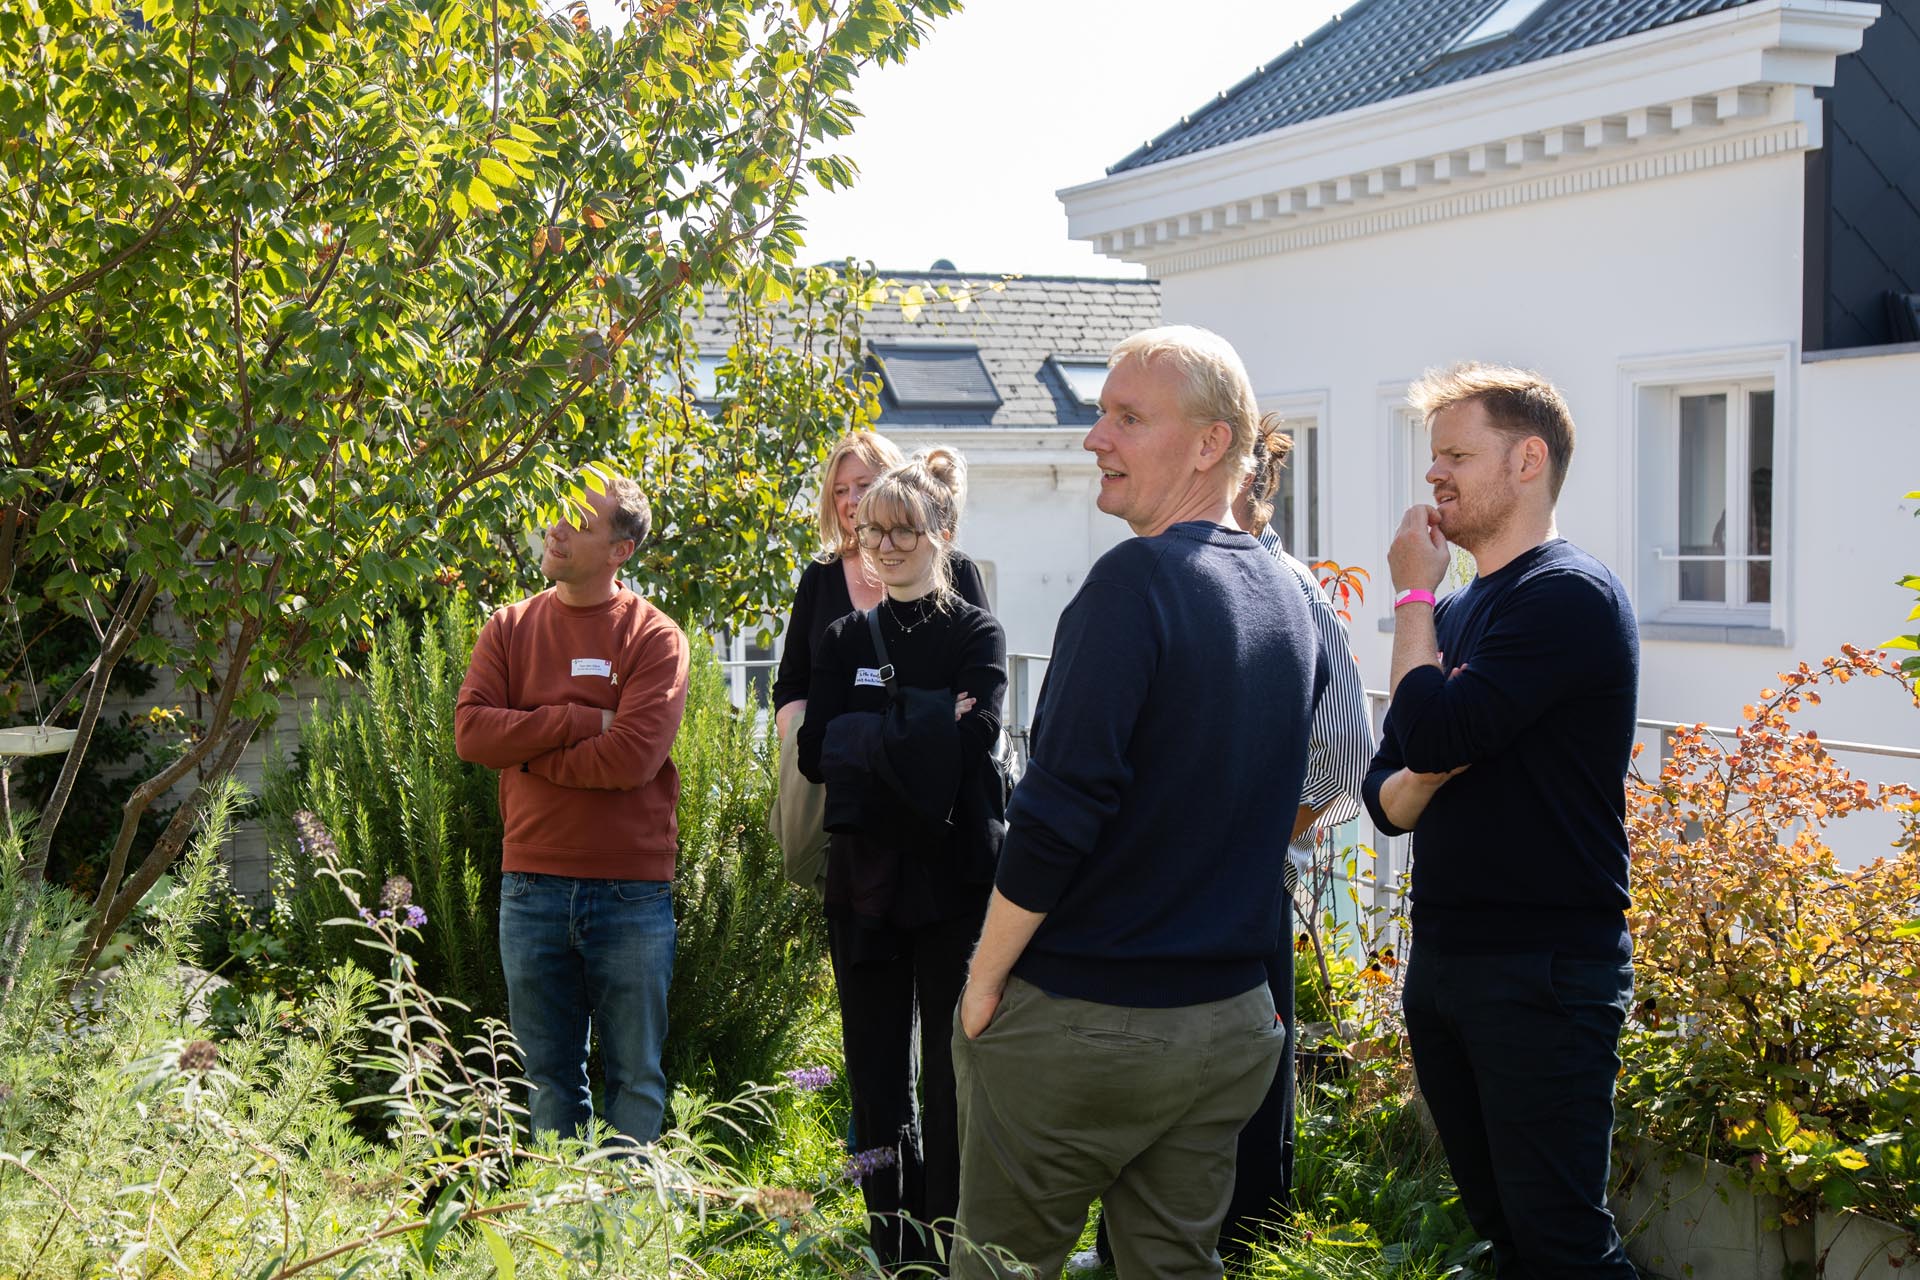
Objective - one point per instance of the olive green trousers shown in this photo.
(1063, 1101)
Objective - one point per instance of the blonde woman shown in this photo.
(901, 727)
(838, 581)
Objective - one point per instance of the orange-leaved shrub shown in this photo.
(1777, 1023)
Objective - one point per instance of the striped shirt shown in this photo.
(1340, 744)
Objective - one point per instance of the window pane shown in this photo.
(1285, 508)
(760, 678)
(1760, 496)
(1703, 496)
(1310, 476)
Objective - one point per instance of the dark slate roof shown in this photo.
(1383, 49)
(1015, 330)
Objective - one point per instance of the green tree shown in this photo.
(302, 303)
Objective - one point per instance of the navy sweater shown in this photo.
(1526, 850)
(1168, 749)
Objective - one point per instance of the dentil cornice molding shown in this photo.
(1718, 90)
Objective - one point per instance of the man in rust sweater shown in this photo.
(575, 695)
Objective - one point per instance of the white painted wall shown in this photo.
(1576, 287)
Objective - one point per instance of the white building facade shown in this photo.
(1630, 218)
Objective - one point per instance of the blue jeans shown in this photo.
(585, 955)
(1517, 1057)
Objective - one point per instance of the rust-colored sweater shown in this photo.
(577, 801)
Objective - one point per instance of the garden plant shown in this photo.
(1778, 1015)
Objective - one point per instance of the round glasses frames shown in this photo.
(871, 534)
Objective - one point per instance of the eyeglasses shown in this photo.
(871, 534)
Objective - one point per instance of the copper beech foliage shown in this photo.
(1778, 1015)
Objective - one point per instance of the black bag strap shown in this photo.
(880, 652)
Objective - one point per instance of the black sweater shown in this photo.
(821, 597)
(959, 649)
(1526, 850)
(1169, 745)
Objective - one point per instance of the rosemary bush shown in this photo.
(376, 765)
(751, 967)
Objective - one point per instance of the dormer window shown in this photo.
(1083, 377)
(935, 375)
(1507, 17)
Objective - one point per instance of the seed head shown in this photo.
(789, 1203)
(396, 893)
(200, 1055)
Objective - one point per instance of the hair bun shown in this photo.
(944, 465)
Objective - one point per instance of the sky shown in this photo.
(963, 145)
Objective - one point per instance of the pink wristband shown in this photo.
(1413, 595)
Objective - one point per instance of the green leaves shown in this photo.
(311, 303)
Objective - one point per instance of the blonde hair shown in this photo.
(1271, 447)
(870, 447)
(1519, 403)
(1214, 386)
(924, 492)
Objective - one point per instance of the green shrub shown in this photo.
(752, 955)
(376, 765)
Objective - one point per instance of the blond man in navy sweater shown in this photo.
(1117, 1030)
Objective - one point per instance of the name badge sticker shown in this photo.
(592, 667)
(868, 678)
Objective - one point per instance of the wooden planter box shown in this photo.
(1686, 1218)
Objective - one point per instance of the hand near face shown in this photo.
(1418, 558)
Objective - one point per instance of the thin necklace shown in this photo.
(905, 630)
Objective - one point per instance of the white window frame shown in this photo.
(1297, 409)
(1650, 389)
(1498, 23)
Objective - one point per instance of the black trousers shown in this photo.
(1517, 1056)
(889, 981)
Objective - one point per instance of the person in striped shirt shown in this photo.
(1339, 749)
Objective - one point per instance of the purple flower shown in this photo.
(864, 1164)
(810, 1079)
(367, 915)
(397, 892)
(415, 917)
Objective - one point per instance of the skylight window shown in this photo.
(1083, 376)
(935, 375)
(1506, 18)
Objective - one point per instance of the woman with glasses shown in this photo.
(904, 741)
(837, 581)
